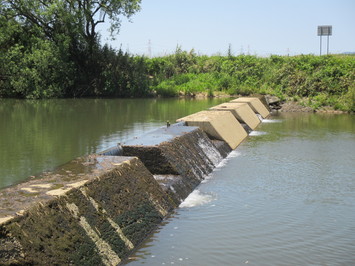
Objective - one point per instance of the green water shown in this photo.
(36, 136)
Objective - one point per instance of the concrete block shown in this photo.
(220, 125)
(91, 211)
(179, 157)
(241, 111)
(262, 98)
(255, 104)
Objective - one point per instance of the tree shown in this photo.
(51, 48)
(75, 18)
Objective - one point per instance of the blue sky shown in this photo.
(251, 26)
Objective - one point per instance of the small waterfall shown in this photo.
(272, 121)
(260, 117)
(257, 133)
(210, 151)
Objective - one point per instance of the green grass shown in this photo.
(324, 80)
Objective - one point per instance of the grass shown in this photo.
(324, 80)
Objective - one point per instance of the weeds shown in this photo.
(325, 80)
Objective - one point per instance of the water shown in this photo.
(36, 136)
(285, 196)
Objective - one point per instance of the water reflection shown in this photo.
(42, 134)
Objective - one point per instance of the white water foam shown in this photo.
(211, 152)
(260, 117)
(271, 121)
(208, 177)
(196, 198)
(233, 154)
(257, 133)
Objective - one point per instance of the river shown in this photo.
(285, 196)
(38, 135)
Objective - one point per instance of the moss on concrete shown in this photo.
(192, 156)
(96, 222)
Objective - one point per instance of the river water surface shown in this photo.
(285, 196)
(36, 136)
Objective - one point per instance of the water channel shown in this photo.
(285, 196)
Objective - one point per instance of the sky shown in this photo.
(256, 27)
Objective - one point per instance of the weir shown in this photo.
(242, 112)
(220, 125)
(256, 104)
(97, 209)
(179, 156)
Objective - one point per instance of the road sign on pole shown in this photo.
(324, 31)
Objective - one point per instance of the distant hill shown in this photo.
(349, 53)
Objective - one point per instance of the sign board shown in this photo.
(324, 30)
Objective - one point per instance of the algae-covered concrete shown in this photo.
(91, 211)
(241, 111)
(220, 125)
(179, 157)
(255, 104)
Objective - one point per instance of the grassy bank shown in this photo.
(46, 53)
(315, 81)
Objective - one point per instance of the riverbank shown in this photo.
(275, 103)
(318, 82)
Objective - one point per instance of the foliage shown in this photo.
(52, 49)
(76, 18)
(326, 80)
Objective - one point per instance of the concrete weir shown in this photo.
(90, 211)
(241, 111)
(179, 156)
(256, 104)
(95, 210)
(220, 125)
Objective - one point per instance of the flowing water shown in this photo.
(285, 196)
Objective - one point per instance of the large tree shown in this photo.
(77, 18)
(50, 48)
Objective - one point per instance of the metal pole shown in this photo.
(327, 44)
(320, 49)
